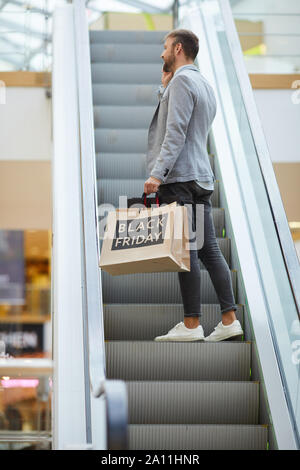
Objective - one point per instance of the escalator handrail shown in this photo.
(115, 394)
(114, 391)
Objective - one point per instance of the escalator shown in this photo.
(184, 396)
(180, 396)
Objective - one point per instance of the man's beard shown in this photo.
(169, 63)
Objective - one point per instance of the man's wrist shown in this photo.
(157, 177)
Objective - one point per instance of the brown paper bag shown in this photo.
(146, 240)
(181, 237)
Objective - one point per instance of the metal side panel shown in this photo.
(143, 322)
(126, 53)
(125, 95)
(192, 402)
(141, 73)
(197, 437)
(154, 288)
(109, 190)
(151, 360)
(127, 37)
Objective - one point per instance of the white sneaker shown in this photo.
(222, 332)
(181, 333)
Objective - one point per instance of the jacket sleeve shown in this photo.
(180, 109)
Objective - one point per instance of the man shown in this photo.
(179, 168)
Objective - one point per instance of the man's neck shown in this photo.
(181, 64)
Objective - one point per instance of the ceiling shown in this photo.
(26, 28)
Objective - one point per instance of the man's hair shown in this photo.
(189, 41)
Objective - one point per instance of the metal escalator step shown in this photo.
(140, 73)
(124, 165)
(197, 437)
(154, 288)
(152, 360)
(224, 244)
(143, 322)
(125, 95)
(121, 165)
(127, 37)
(123, 117)
(176, 402)
(121, 140)
(109, 190)
(126, 53)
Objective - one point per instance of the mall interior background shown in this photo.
(270, 41)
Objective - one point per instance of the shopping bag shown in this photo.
(181, 237)
(145, 240)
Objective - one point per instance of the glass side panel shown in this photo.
(269, 35)
(25, 334)
(25, 39)
(25, 293)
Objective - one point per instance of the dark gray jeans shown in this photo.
(210, 254)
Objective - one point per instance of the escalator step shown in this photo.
(225, 247)
(142, 74)
(109, 190)
(161, 288)
(151, 360)
(121, 140)
(126, 53)
(192, 402)
(121, 165)
(108, 94)
(197, 437)
(126, 37)
(143, 322)
(123, 117)
(125, 165)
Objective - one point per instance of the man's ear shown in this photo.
(178, 47)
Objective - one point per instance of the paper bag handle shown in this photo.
(144, 198)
